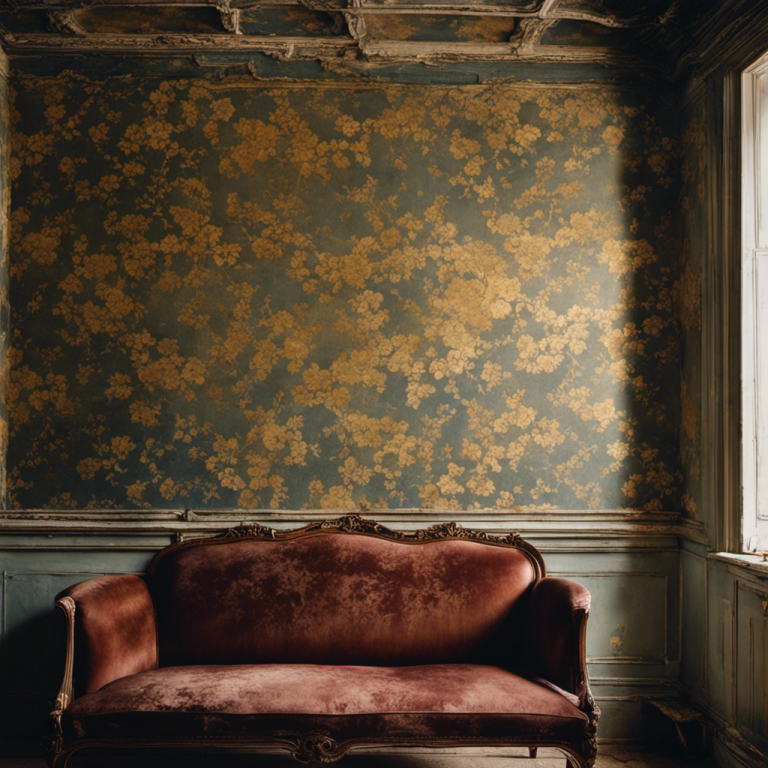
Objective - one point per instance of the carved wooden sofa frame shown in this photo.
(342, 634)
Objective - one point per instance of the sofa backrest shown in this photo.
(334, 597)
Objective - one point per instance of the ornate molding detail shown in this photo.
(589, 742)
(355, 524)
(667, 29)
(230, 17)
(186, 43)
(551, 530)
(63, 22)
(252, 530)
(54, 740)
(325, 49)
(527, 36)
(318, 748)
(587, 704)
(53, 743)
(356, 24)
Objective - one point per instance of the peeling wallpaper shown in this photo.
(336, 296)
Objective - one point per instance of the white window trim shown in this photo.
(754, 306)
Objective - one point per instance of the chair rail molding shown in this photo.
(576, 530)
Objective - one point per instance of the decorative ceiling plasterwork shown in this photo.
(615, 33)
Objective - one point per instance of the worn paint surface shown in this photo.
(340, 296)
(626, 37)
(617, 640)
(148, 20)
(568, 32)
(489, 29)
(289, 21)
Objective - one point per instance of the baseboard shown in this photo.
(732, 750)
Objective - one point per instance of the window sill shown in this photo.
(753, 563)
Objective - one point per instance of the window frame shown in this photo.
(754, 305)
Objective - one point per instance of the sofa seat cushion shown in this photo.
(451, 703)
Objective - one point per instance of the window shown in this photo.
(754, 302)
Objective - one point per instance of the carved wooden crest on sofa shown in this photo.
(342, 634)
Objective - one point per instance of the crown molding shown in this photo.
(69, 27)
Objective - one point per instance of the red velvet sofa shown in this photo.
(341, 634)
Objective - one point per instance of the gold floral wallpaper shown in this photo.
(696, 180)
(344, 295)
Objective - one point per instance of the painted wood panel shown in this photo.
(725, 647)
(693, 567)
(629, 619)
(31, 637)
(751, 668)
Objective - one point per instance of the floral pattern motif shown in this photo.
(696, 178)
(343, 296)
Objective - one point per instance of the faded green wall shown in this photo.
(340, 295)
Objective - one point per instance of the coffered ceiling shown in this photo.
(646, 34)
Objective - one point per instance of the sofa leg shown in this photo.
(533, 751)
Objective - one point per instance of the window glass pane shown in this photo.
(754, 305)
(761, 379)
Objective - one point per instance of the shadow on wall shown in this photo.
(32, 654)
(647, 340)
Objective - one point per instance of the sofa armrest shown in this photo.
(555, 634)
(111, 632)
(555, 646)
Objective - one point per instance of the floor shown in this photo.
(609, 757)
